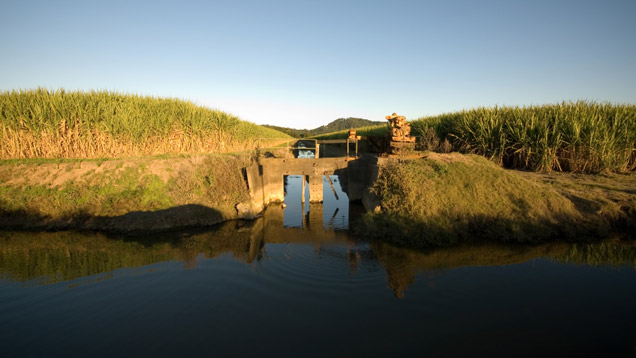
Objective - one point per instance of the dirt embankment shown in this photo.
(442, 199)
(125, 195)
(451, 198)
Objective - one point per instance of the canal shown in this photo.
(297, 282)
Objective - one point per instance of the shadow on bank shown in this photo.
(135, 222)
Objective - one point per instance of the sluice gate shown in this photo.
(265, 177)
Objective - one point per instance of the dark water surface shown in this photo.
(260, 288)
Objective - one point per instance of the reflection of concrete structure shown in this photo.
(312, 231)
(269, 229)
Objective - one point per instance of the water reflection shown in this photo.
(309, 291)
(46, 258)
(296, 210)
(299, 214)
(335, 204)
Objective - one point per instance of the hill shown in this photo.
(334, 126)
(378, 130)
(75, 124)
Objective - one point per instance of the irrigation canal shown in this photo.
(296, 282)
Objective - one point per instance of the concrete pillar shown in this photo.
(303, 188)
(255, 184)
(275, 186)
(256, 239)
(315, 188)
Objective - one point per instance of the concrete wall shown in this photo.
(265, 176)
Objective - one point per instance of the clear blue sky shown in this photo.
(305, 63)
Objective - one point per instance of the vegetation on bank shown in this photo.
(74, 124)
(340, 124)
(579, 136)
(122, 195)
(450, 198)
(584, 137)
(374, 130)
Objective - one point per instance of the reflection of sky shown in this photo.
(335, 212)
(294, 211)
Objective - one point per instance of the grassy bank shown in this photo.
(375, 130)
(447, 199)
(122, 195)
(64, 124)
(578, 137)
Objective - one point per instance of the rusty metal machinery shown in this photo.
(399, 136)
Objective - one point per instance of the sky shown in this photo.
(302, 64)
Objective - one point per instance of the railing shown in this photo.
(262, 144)
(347, 142)
(322, 148)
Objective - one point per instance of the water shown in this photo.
(333, 214)
(308, 288)
(305, 153)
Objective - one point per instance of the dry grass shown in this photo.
(73, 143)
(61, 124)
(78, 189)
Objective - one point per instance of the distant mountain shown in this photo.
(296, 133)
(344, 123)
(337, 125)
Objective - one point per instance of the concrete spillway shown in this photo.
(265, 177)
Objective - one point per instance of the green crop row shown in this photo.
(571, 136)
(376, 130)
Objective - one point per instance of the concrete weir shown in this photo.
(265, 177)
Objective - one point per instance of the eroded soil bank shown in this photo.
(122, 195)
